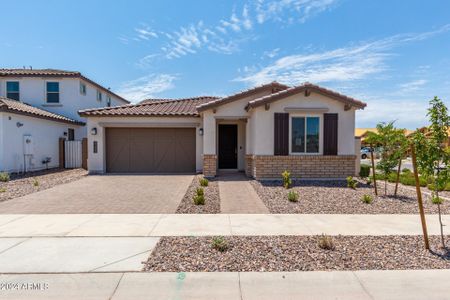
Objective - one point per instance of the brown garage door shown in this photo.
(150, 150)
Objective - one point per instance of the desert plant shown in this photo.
(199, 199)
(3, 190)
(35, 182)
(437, 200)
(369, 181)
(431, 187)
(364, 171)
(293, 196)
(287, 181)
(200, 191)
(219, 243)
(4, 177)
(352, 183)
(367, 199)
(204, 182)
(406, 170)
(326, 242)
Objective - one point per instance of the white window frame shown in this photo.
(99, 96)
(59, 92)
(320, 116)
(6, 88)
(83, 88)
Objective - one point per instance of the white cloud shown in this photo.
(147, 86)
(270, 54)
(145, 33)
(338, 65)
(412, 85)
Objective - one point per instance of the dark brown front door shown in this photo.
(228, 146)
(150, 150)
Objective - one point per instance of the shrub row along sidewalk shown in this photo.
(294, 253)
(211, 198)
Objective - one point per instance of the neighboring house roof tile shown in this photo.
(54, 73)
(13, 106)
(273, 86)
(303, 87)
(153, 107)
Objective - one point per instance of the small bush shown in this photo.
(431, 187)
(406, 170)
(293, 196)
(369, 181)
(204, 182)
(219, 243)
(437, 200)
(287, 181)
(4, 177)
(199, 200)
(200, 191)
(2, 190)
(364, 171)
(367, 199)
(326, 242)
(408, 179)
(392, 177)
(35, 182)
(352, 183)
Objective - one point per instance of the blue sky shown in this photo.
(394, 55)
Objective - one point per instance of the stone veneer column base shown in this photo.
(209, 165)
(249, 165)
(302, 166)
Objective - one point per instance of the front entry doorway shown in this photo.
(228, 146)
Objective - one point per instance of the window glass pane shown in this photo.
(12, 86)
(312, 135)
(52, 86)
(298, 135)
(52, 97)
(13, 96)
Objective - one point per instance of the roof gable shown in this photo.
(307, 88)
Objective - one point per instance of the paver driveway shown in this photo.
(118, 194)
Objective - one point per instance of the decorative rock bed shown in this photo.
(24, 184)
(334, 197)
(212, 199)
(295, 253)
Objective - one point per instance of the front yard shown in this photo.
(23, 184)
(334, 197)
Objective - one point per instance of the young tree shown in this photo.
(433, 159)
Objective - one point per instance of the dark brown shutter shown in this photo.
(281, 137)
(330, 134)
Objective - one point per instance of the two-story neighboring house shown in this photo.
(39, 106)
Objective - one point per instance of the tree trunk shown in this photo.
(440, 221)
(373, 170)
(398, 176)
(385, 185)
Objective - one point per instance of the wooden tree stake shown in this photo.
(373, 169)
(419, 199)
(398, 176)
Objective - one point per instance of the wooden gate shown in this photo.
(72, 154)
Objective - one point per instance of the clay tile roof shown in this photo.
(306, 86)
(13, 106)
(274, 86)
(54, 73)
(152, 107)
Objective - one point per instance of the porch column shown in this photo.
(209, 145)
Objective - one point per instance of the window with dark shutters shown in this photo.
(281, 134)
(330, 134)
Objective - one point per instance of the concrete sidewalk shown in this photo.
(148, 225)
(407, 284)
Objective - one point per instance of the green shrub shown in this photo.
(367, 199)
(406, 170)
(200, 191)
(352, 183)
(199, 200)
(369, 181)
(326, 242)
(437, 200)
(408, 179)
(4, 177)
(392, 177)
(204, 182)
(364, 171)
(35, 182)
(293, 196)
(430, 186)
(2, 190)
(287, 181)
(219, 243)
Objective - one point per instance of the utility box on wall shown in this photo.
(28, 145)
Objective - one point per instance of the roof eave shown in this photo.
(19, 112)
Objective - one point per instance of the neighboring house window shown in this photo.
(99, 95)
(52, 92)
(12, 90)
(108, 101)
(305, 134)
(82, 88)
(71, 134)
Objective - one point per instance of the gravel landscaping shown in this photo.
(295, 253)
(334, 197)
(212, 200)
(31, 182)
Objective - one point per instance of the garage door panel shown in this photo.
(150, 150)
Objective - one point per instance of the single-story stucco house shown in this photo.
(306, 129)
